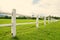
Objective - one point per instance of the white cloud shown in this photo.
(48, 7)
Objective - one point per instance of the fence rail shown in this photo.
(19, 23)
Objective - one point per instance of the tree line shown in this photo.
(25, 17)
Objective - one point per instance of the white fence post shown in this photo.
(48, 19)
(44, 20)
(13, 27)
(37, 24)
(51, 20)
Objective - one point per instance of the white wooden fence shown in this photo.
(13, 20)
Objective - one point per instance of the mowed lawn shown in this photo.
(8, 21)
(30, 32)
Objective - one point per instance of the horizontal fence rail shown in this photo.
(19, 23)
(23, 23)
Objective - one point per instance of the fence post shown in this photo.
(48, 19)
(44, 20)
(37, 18)
(13, 27)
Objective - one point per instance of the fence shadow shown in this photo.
(15, 38)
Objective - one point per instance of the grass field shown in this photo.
(7, 21)
(30, 32)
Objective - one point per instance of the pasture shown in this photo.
(7, 21)
(29, 31)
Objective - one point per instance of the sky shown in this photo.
(29, 7)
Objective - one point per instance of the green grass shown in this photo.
(30, 32)
(7, 21)
(4, 21)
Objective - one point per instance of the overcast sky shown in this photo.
(29, 7)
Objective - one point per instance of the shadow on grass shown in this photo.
(15, 38)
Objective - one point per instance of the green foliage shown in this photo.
(5, 17)
(55, 17)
